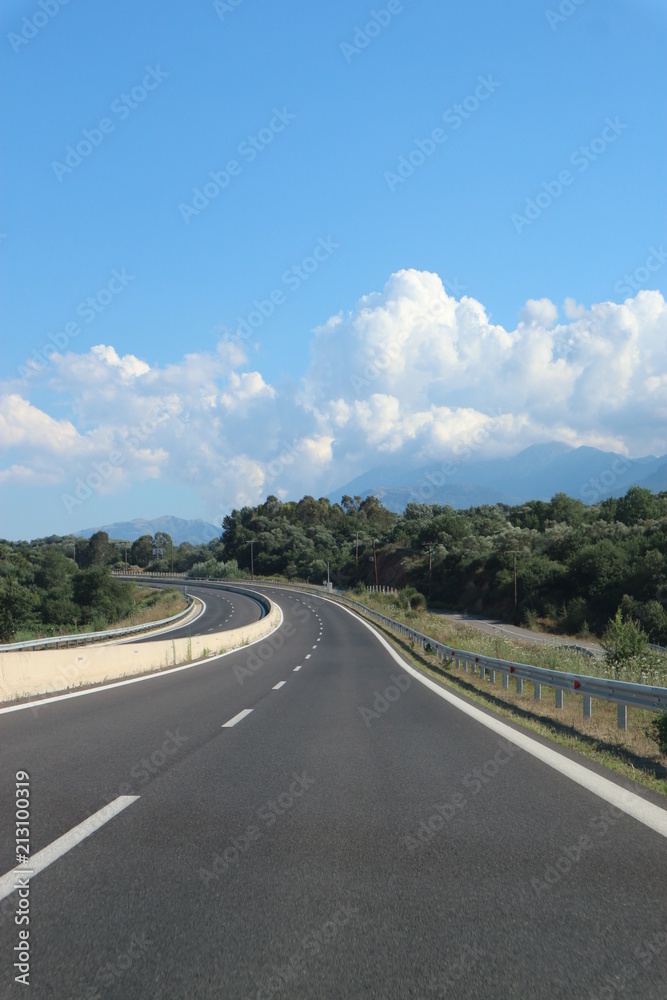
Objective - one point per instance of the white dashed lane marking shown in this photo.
(236, 718)
(278, 685)
(308, 656)
(297, 668)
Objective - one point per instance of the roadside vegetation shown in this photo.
(44, 592)
(577, 566)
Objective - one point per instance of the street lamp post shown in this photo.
(375, 562)
(252, 561)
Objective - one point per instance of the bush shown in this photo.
(410, 599)
(657, 731)
(623, 639)
(531, 619)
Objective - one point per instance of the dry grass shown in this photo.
(151, 605)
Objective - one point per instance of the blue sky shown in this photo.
(337, 96)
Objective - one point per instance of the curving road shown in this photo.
(224, 610)
(304, 818)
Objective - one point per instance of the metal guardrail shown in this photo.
(84, 638)
(623, 693)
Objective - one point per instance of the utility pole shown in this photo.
(126, 557)
(327, 576)
(172, 558)
(375, 562)
(514, 552)
(252, 562)
(429, 548)
(356, 552)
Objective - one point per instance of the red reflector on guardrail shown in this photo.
(576, 685)
(511, 670)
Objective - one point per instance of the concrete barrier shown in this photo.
(26, 673)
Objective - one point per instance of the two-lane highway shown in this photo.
(303, 818)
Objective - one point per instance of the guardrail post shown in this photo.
(506, 679)
(482, 671)
(559, 697)
(492, 675)
(622, 716)
(519, 685)
(588, 706)
(537, 694)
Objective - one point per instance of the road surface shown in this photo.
(303, 818)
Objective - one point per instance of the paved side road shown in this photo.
(494, 626)
(302, 819)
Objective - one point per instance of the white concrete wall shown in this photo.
(26, 673)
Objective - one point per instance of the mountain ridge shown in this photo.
(197, 531)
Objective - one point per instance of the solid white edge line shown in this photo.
(629, 802)
(279, 685)
(42, 859)
(138, 680)
(236, 718)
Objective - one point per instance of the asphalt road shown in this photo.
(354, 835)
(224, 610)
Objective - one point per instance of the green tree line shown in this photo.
(576, 565)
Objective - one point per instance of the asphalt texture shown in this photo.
(353, 836)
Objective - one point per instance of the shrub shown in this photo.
(410, 599)
(657, 730)
(623, 639)
(531, 619)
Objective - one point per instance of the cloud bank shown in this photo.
(410, 374)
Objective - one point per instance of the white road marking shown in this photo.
(237, 718)
(279, 685)
(297, 668)
(42, 859)
(629, 802)
(308, 656)
(314, 647)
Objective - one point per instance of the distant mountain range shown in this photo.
(196, 532)
(536, 473)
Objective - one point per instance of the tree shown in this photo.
(141, 552)
(162, 541)
(639, 504)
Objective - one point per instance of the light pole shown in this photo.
(252, 562)
(356, 552)
(375, 562)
